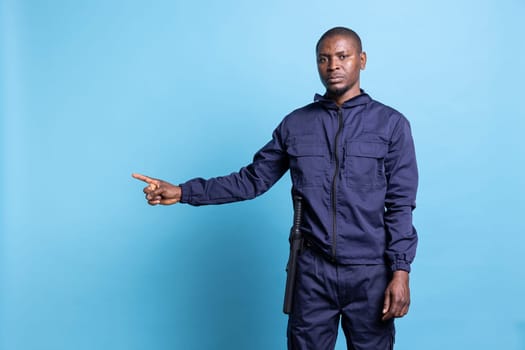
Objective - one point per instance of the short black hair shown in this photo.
(343, 31)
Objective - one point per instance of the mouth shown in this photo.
(335, 79)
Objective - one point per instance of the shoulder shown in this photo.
(305, 111)
(384, 111)
(303, 116)
(385, 117)
(303, 120)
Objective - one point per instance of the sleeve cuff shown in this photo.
(186, 193)
(400, 265)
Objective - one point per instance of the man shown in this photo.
(352, 162)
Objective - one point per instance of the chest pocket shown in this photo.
(365, 165)
(307, 162)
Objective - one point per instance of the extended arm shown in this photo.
(269, 165)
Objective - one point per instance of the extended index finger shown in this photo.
(144, 178)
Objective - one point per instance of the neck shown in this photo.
(339, 99)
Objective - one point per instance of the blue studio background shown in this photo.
(92, 91)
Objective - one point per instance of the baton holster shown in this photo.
(296, 245)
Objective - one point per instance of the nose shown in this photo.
(333, 65)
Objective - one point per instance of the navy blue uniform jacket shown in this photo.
(355, 168)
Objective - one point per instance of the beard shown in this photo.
(337, 92)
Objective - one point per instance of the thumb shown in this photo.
(386, 304)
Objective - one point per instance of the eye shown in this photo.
(321, 59)
(342, 57)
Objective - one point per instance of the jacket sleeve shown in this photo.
(268, 166)
(402, 180)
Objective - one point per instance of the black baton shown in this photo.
(296, 244)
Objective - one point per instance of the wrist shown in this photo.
(400, 274)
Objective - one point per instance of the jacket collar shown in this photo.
(361, 99)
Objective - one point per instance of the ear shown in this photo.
(362, 57)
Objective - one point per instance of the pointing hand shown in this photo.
(159, 191)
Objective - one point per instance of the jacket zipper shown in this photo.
(334, 183)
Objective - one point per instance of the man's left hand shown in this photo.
(397, 296)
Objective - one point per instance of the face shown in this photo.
(339, 63)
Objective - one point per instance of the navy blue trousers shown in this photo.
(327, 294)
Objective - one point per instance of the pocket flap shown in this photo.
(366, 149)
(305, 146)
(305, 150)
